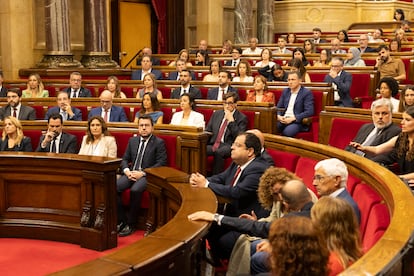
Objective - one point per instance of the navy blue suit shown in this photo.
(212, 93)
(77, 113)
(302, 108)
(343, 82)
(155, 155)
(83, 92)
(175, 75)
(346, 196)
(137, 74)
(193, 91)
(3, 92)
(117, 114)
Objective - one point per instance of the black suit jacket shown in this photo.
(83, 92)
(136, 75)
(233, 129)
(67, 144)
(155, 154)
(260, 228)
(25, 145)
(243, 194)
(194, 91)
(369, 50)
(174, 75)
(212, 93)
(3, 92)
(26, 112)
(385, 135)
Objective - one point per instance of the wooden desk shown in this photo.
(61, 197)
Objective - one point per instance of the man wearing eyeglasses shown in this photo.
(235, 57)
(330, 178)
(76, 90)
(341, 82)
(224, 125)
(143, 151)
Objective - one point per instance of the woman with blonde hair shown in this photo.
(112, 84)
(35, 88)
(150, 86)
(13, 138)
(97, 141)
(243, 72)
(183, 54)
(338, 223)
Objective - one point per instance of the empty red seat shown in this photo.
(283, 159)
(377, 224)
(305, 170)
(343, 131)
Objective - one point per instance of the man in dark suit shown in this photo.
(108, 111)
(64, 108)
(224, 126)
(331, 176)
(55, 140)
(186, 87)
(3, 90)
(235, 57)
(291, 113)
(180, 66)
(148, 51)
(144, 151)
(239, 184)
(15, 108)
(146, 67)
(266, 156)
(341, 82)
(76, 90)
(224, 81)
(379, 131)
(317, 32)
(363, 45)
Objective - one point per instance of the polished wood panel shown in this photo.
(62, 197)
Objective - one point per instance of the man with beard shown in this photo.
(388, 66)
(15, 108)
(217, 93)
(186, 87)
(379, 131)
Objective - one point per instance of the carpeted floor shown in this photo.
(38, 257)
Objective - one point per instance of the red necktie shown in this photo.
(220, 135)
(233, 181)
(106, 116)
(14, 112)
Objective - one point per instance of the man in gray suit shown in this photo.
(379, 131)
(15, 108)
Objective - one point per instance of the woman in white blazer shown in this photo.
(97, 140)
(187, 116)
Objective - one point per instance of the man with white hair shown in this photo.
(379, 131)
(330, 178)
(363, 45)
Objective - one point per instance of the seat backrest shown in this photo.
(305, 170)
(171, 146)
(122, 139)
(207, 113)
(34, 135)
(168, 112)
(378, 221)
(343, 131)
(40, 112)
(283, 159)
(250, 118)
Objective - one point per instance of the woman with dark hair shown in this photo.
(187, 116)
(300, 54)
(112, 84)
(266, 58)
(388, 88)
(260, 93)
(97, 141)
(325, 57)
(406, 98)
(291, 38)
(399, 15)
(297, 65)
(150, 106)
(395, 45)
(343, 36)
(215, 67)
(309, 46)
(339, 226)
(243, 72)
(202, 58)
(298, 248)
(13, 138)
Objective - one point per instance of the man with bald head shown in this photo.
(363, 45)
(263, 153)
(108, 111)
(336, 47)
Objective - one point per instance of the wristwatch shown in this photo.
(216, 218)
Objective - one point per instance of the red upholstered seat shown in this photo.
(207, 113)
(343, 131)
(40, 112)
(122, 139)
(168, 112)
(283, 159)
(305, 170)
(250, 118)
(34, 135)
(352, 182)
(366, 198)
(85, 112)
(378, 221)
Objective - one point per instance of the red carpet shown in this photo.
(38, 257)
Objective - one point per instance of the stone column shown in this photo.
(243, 20)
(57, 36)
(265, 23)
(96, 39)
